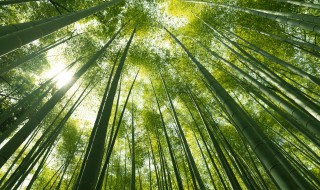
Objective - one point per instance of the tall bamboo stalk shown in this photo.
(17, 39)
(264, 149)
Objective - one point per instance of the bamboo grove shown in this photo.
(161, 94)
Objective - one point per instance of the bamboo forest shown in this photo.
(159, 94)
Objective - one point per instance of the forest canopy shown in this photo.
(153, 94)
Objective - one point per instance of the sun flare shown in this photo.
(61, 79)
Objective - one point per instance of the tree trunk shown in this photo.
(263, 148)
(92, 168)
(303, 4)
(284, 18)
(17, 39)
(113, 139)
(225, 165)
(294, 94)
(8, 29)
(32, 55)
(11, 2)
(173, 160)
(133, 164)
(281, 62)
(304, 119)
(184, 141)
(11, 146)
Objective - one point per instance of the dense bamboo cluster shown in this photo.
(217, 111)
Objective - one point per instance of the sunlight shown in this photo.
(57, 65)
(60, 80)
(63, 79)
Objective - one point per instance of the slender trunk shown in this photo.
(303, 4)
(32, 55)
(150, 173)
(189, 154)
(75, 170)
(32, 96)
(10, 147)
(68, 162)
(174, 164)
(140, 180)
(306, 22)
(304, 119)
(162, 166)
(11, 2)
(29, 162)
(281, 62)
(205, 161)
(305, 46)
(96, 122)
(4, 30)
(168, 174)
(113, 126)
(27, 114)
(53, 177)
(39, 169)
(154, 163)
(233, 180)
(207, 149)
(92, 168)
(39, 145)
(133, 166)
(125, 166)
(279, 168)
(15, 161)
(293, 93)
(114, 137)
(22, 37)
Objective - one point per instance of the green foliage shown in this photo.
(153, 51)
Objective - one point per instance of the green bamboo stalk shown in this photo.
(17, 39)
(205, 161)
(21, 152)
(303, 45)
(300, 3)
(32, 96)
(85, 157)
(173, 160)
(92, 168)
(189, 154)
(75, 170)
(133, 164)
(293, 93)
(162, 165)
(10, 147)
(302, 21)
(154, 162)
(110, 133)
(207, 149)
(32, 157)
(231, 176)
(11, 2)
(7, 29)
(281, 62)
(39, 168)
(304, 119)
(264, 149)
(32, 55)
(113, 138)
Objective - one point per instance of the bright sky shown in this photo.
(57, 63)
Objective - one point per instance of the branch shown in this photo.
(61, 6)
(55, 6)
